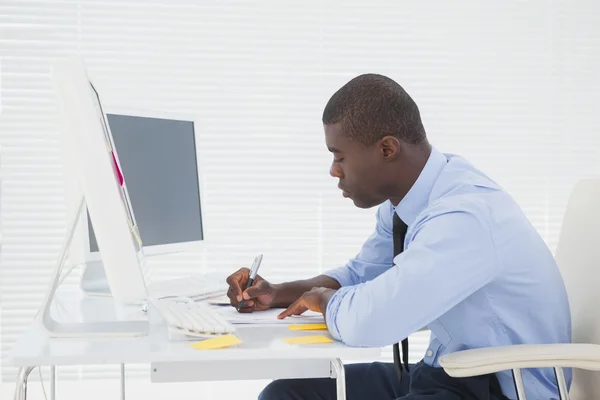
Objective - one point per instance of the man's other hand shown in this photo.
(315, 300)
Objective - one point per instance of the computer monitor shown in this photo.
(92, 157)
(158, 154)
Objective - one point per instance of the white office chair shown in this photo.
(578, 257)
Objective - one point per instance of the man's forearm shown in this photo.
(288, 292)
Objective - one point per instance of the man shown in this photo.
(451, 252)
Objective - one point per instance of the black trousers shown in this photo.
(377, 381)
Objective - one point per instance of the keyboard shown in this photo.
(191, 318)
(196, 287)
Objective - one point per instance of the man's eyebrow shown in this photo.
(333, 150)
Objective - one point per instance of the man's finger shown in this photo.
(254, 291)
(292, 309)
(297, 310)
(300, 310)
(232, 296)
(234, 283)
(248, 307)
(237, 289)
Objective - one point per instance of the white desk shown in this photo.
(261, 355)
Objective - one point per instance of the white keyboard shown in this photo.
(191, 318)
(194, 287)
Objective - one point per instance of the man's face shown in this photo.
(358, 168)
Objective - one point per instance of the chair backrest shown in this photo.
(578, 257)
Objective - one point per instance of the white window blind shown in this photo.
(510, 85)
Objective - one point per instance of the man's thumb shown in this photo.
(256, 290)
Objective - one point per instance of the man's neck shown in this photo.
(415, 160)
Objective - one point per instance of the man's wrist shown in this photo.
(284, 294)
(324, 299)
(277, 295)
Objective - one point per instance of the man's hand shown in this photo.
(258, 297)
(315, 299)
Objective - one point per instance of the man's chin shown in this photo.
(365, 204)
(360, 203)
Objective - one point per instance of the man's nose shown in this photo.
(335, 171)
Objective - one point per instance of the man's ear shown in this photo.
(390, 147)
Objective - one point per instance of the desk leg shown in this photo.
(21, 387)
(52, 382)
(122, 381)
(340, 382)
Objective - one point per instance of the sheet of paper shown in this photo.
(317, 339)
(269, 317)
(218, 342)
(308, 327)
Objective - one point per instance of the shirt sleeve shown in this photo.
(449, 256)
(375, 256)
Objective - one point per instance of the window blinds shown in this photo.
(510, 85)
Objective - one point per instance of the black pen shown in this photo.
(253, 272)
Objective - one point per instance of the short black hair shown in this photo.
(372, 106)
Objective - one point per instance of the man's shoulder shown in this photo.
(461, 187)
(461, 181)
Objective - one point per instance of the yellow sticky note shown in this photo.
(218, 342)
(317, 339)
(308, 327)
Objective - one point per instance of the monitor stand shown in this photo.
(55, 328)
(93, 280)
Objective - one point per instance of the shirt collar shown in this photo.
(417, 198)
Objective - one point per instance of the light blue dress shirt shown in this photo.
(474, 271)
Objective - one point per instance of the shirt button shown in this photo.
(429, 353)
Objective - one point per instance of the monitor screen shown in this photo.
(157, 157)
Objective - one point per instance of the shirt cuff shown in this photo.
(332, 311)
(341, 274)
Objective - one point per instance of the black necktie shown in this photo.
(399, 233)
